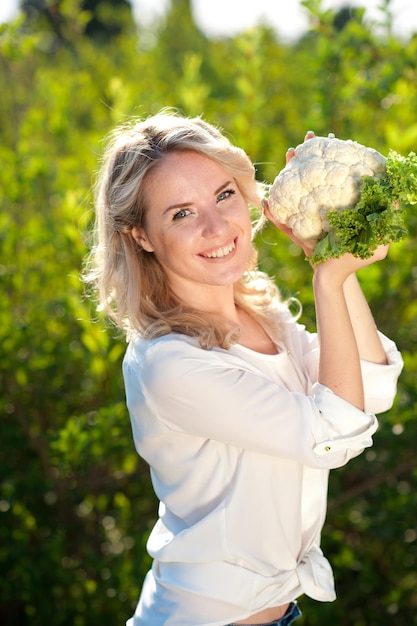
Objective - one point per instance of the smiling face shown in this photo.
(197, 225)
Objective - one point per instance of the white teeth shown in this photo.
(220, 252)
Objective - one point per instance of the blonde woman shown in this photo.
(239, 411)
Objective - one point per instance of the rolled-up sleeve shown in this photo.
(380, 381)
(343, 426)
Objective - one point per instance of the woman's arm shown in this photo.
(347, 330)
(367, 338)
(345, 326)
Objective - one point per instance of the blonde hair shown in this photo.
(130, 283)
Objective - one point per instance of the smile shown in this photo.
(220, 252)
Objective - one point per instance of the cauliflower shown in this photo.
(338, 196)
(324, 175)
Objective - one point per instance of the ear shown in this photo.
(141, 239)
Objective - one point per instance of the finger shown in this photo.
(381, 252)
(310, 134)
(331, 136)
(267, 212)
(289, 154)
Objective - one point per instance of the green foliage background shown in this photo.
(76, 504)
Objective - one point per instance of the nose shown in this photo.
(214, 223)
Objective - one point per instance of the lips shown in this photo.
(219, 252)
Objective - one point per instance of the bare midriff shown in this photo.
(265, 616)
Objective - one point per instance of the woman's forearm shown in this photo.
(339, 367)
(345, 325)
(367, 339)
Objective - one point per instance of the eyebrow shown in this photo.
(184, 205)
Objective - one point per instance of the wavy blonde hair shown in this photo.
(130, 283)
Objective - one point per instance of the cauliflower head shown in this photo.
(324, 175)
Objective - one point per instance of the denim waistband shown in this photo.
(291, 614)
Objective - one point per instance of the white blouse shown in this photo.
(239, 445)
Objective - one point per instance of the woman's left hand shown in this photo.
(310, 134)
(285, 229)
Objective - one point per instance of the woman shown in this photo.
(239, 411)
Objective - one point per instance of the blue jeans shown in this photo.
(290, 616)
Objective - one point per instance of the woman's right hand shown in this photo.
(340, 268)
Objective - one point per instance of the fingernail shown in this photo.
(290, 150)
(331, 136)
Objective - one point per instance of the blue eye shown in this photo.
(180, 214)
(225, 194)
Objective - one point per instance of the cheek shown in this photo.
(169, 250)
(248, 227)
(245, 216)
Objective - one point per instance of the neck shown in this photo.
(218, 301)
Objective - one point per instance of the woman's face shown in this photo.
(197, 225)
